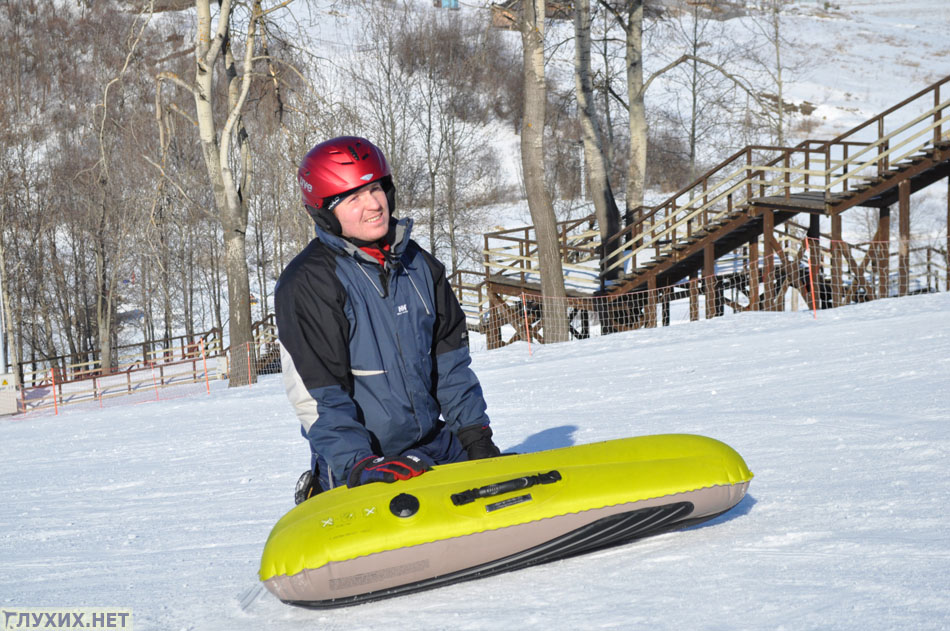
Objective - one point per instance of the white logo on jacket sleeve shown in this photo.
(402, 310)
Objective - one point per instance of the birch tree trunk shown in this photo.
(605, 207)
(636, 168)
(775, 24)
(554, 308)
(104, 305)
(212, 44)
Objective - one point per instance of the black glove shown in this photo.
(307, 486)
(389, 468)
(476, 439)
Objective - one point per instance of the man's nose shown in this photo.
(370, 202)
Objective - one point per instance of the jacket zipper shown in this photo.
(383, 290)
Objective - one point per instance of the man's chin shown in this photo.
(373, 235)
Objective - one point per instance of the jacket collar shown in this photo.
(399, 232)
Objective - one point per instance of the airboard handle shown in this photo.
(469, 496)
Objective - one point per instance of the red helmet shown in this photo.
(338, 166)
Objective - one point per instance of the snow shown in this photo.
(164, 507)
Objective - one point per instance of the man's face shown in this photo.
(364, 213)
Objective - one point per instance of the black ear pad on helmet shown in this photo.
(390, 189)
(325, 218)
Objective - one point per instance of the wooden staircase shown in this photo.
(743, 203)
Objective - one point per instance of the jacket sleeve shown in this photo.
(313, 331)
(457, 389)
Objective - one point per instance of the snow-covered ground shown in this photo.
(164, 507)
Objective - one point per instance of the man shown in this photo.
(373, 341)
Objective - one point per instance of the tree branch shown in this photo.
(174, 78)
(738, 81)
(180, 190)
(618, 15)
(103, 164)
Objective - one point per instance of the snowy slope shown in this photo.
(164, 507)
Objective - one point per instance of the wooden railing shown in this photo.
(514, 253)
(147, 353)
(57, 387)
(469, 289)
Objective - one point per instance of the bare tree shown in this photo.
(34, 49)
(554, 315)
(454, 72)
(629, 16)
(636, 166)
(767, 25)
(110, 218)
(386, 88)
(605, 207)
(64, 58)
(701, 93)
(226, 145)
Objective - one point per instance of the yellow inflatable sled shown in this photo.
(472, 519)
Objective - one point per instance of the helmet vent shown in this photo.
(340, 156)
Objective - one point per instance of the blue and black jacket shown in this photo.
(373, 355)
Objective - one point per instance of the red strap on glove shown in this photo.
(388, 468)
